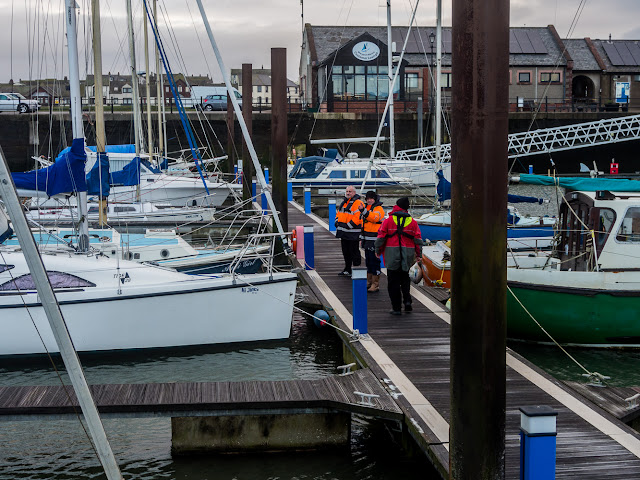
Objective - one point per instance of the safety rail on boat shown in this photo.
(250, 251)
(263, 223)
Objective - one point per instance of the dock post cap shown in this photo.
(307, 189)
(332, 201)
(308, 229)
(538, 419)
(359, 273)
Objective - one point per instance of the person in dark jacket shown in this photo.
(399, 242)
(372, 217)
(349, 228)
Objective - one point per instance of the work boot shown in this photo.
(369, 280)
(375, 284)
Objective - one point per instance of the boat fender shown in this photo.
(415, 273)
(448, 304)
(320, 318)
(294, 241)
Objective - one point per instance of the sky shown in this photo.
(32, 30)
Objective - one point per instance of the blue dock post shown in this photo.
(530, 169)
(235, 174)
(266, 175)
(265, 206)
(359, 287)
(289, 191)
(240, 171)
(254, 189)
(309, 253)
(537, 443)
(332, 214)
(307, 200)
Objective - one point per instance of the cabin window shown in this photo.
(379, 174)
(124, 209)
(338, 174)
(57, 279)
(93, 210)
(4, 268)
(629, 230)
(358, 173)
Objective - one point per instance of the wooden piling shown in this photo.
(279, 132)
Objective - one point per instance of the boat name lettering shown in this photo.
(124, 277)
(250, 289)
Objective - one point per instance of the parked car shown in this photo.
(217, 101)
(15, 102)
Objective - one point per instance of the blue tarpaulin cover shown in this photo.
(98, 177)
(66, 175)
(444, 187)
(126, 148)
(129, 175)
(586, 184)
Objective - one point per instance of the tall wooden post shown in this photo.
(480, 68)
(279, 132)
(231, 160)
(247, 114)
(98, 94)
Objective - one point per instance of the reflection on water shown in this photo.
(58, 449)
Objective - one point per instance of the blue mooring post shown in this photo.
(309, 254)
(530, 169)
(359, 284)
(254, 189)
(332, 214)
(266, 175)
(307, 200)
(537, 443)
(289, 191)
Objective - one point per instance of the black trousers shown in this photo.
(398, 285)
(372, 262)
(351, 253)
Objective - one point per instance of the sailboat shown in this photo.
(113, 304)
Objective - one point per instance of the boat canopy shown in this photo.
(444, 192)
(129, 175)
(584, 184)
(66, 175)
(124, 148)
(309, 167)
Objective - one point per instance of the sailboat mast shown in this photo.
(101, 138)
(392, 134)
(76, 113)
(438, 133)
(159, 89)
(148, 103)
(134, 81)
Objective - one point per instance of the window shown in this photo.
(550, 77)
(114, 101)
(4, 268)
(524, 77)
(166, 89)
(379, 174)
(180, 88)
(186, 89)
(115, 89)
(445, 80)
(338, 174)
(93, 210)
(358, 173)
(124, 209)
(127, 101)
(357, 82)
(629, 230)
(259, 88)
(266, 89)
(127, 89)
(57, 279)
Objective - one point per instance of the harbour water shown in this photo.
(59, 449)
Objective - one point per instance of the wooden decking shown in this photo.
(335, 393)
(412, 352)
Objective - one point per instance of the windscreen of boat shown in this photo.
(629, 231)
(57, 280)
(309, 167)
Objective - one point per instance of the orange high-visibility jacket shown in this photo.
(348, 220)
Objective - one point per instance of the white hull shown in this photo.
(139, 306)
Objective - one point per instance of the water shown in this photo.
(59, 449)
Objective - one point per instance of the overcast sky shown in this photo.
(246, 30)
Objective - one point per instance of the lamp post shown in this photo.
(432, 82)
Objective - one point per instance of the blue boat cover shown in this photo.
(129, 175)
(585, 184)
(98, 177)
(444, 187)
(523, 199)
(66, 175)
(126, 148)
(331, 153)
(309, 167)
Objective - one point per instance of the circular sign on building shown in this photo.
(366, 51)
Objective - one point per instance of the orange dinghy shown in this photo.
(436, 264)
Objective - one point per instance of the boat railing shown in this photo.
(251, 250)
(424, 154)
(239, 221)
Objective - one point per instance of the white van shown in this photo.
(200, 94)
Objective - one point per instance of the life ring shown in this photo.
(294, 241)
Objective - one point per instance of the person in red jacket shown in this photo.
(399, 242)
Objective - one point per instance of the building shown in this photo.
(261, 91)
(346, 68)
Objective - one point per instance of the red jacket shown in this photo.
(399, 240)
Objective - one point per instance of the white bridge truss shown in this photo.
(549, 140)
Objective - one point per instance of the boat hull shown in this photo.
(593, 317)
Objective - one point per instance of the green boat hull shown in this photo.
(574, 316)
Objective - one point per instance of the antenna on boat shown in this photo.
(243, 125)
(54, 315)
(386, 107)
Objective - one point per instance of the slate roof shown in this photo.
(327, 39)
(259, 76)
(583, 59)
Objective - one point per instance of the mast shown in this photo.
(76, 113)
(101, 140)
(159, 90)
(134, 81)
(146, 67)
(438, 133)
(392, 135)
(243, 125)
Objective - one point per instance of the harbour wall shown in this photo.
(24, 136)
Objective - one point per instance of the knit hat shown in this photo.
(371, 194)
(403, 203)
